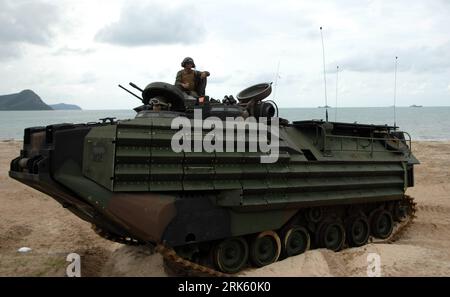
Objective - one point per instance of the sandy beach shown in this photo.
(31, 219)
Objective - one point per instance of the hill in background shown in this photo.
(29, 100)
(25, 100)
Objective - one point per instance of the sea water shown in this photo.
(422, 123)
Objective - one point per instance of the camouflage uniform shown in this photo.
(197, 85)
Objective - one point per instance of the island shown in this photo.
(29, 100)
(64, 106)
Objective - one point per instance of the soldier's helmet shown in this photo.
(187, 60)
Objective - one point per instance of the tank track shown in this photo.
(182, 267)
(176, 264)
(114, 237)
(402, 226)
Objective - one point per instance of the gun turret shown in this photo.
(120, 86)
(136, 87)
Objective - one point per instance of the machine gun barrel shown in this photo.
(131, 93)
(136, 87)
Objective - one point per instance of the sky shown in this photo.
(78, 51)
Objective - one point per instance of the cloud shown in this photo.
(27, 21)
(153, 24)
(67, 47)
(9, 51)
(219, 79)
(73, 51)
(414, 59)
(88, 78)
(254, 22)
(289, 79)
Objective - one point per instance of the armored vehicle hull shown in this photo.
(332, 185)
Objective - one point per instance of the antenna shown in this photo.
(276, 81)
(335, 110)
(395, 91)
(324, 77)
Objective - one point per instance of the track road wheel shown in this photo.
(382, 224)
(265, 248)
(296, 240)
(358, 231)
(332, 235)
(231, 254)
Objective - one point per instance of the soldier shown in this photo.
(191, 81)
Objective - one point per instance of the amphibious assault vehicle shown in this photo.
(331, 185)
